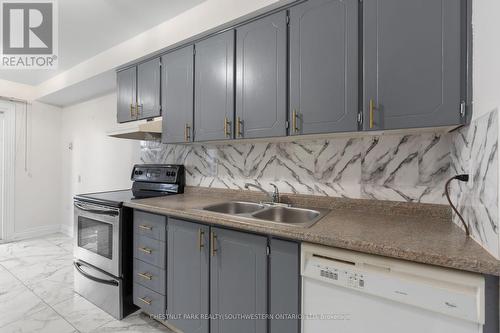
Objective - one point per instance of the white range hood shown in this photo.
(149, 130)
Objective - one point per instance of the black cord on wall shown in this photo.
(462, 178)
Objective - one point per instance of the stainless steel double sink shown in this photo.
(273, 213)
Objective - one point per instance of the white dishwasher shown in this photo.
(350, 292)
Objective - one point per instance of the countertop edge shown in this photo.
(216, 219)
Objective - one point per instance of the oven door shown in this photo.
(98, 236)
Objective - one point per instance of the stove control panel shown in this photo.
(158, 173)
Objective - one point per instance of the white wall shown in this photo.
(37, 173)
(96, 162)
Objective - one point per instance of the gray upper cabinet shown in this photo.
(214, 88)
(188, 280)
(148, 89)
(412, 63)
(261, 51)
(238, 283)
(177, 95)
(323, 66)
(126, 94)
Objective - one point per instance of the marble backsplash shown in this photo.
(411, 168)
(474, 151)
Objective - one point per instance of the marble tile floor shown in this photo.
(36, 292)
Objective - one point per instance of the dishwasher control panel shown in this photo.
(339, 275)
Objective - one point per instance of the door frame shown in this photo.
(8, 166)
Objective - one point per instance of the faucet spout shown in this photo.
(274, 196)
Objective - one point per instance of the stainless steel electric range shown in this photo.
(103, 236)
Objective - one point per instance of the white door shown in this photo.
(2, 173)
(7, 168)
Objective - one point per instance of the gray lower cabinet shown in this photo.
(149, 263)
(214, 88)
(324, 66)
(177, 95)
(238, 280)
(284, 286)
(261, 73)
(148, 89)
(412, 63)
(126, 81)
(188, 280)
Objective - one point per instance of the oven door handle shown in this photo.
(97, 211)
(93, 278)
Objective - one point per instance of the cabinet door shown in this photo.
(261, 78)
(324, 66)
(214, 88)
(177, 95)
(238, 283)
(148, 89)
(126, 94)
(412, 56)
(284, 285)
(187, 283)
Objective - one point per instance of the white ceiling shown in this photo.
(88, 27)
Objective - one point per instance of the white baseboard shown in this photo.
(35, 232)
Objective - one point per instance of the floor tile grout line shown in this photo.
(36, 295)
(33, 313)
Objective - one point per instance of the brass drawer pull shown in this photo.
(145, 227)
(239, 122)
(145, 276)
(144, 300)
(201, 234)
(214, 242)
(372, 108)
(145, 250)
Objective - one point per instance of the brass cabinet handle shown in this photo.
(238, 126)
(132, 112)
(187, 135)
(201, 234)
(294, 121)
(145, 250)
(138, 106)
(213, 239)
(145, 227)
(147, 301)
(372, 108)
(227, 123)
(145, 275)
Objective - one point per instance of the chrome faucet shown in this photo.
(274, 196)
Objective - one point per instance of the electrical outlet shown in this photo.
(79, 178)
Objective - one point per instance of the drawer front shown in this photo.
(150, 250)
(149, 301)
(150, 276)
(150, 225)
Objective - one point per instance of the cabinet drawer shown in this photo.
(151, 225)
(149, 301)
(149, 276)
(150, 250)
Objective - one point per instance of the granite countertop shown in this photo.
(420, 233)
